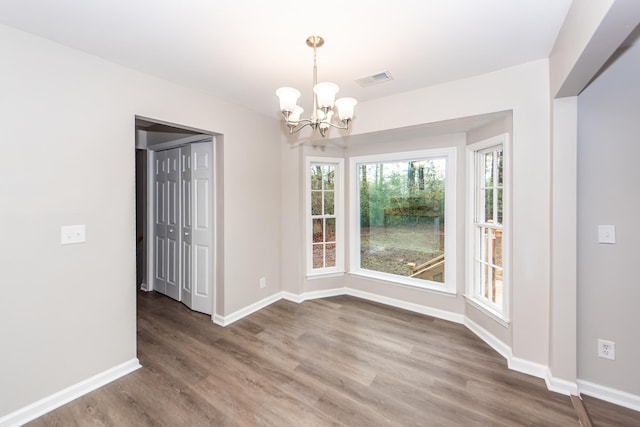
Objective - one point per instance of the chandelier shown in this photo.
(324, 99)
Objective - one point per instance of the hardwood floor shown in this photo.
(337, 361)
(604, 414)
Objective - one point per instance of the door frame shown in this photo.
(203, 136)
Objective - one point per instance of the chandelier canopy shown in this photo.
(324, 100)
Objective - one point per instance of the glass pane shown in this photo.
(330, 230)
(488, 169)
(402, 218)
(331, 255)
(499, 207)
(317, 231)
(488, 206)
(491, 242)
(497, 254)
(484, 244)
(329, 177)
(500, 166)
(496, 288)
(316, 177)
(485, 277)
(316, 203)
(318, 256)
(328, 202)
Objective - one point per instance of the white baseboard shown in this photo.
(527, 367)
(306, 296)
(493, 342)
(416, 308)
(557, 385)
(243, 312)
(68, 394)
(561, 386)
(617, 397)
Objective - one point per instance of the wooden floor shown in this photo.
(607, 414)
(337, 361)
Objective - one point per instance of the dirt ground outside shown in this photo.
(389, 249)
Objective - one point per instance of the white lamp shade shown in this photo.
(288, 98)
(326, 94)
(296, 113)
(345, 108)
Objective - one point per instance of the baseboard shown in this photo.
(493, 342)
(68, 394)
(617, 397)
(416, 308)
(527, 367)
(243, 312)
(561, 386)
(306, 296)
(514, 363)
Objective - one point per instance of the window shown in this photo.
(402, 218)
(486, 240)
(325, 247)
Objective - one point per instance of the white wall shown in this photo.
(524, 90)
(593, 30)
(68, 312)
(608, 193)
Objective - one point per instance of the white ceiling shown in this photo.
(243, 50)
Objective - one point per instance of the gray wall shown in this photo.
(68, 119)
(609, 193)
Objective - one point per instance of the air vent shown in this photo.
(374, 79)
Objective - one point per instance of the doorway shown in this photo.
(175, 212)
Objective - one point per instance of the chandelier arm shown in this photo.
(299, 125)
(341, 127)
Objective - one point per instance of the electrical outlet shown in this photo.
(607, 349)
(607, 234)
(263, 282)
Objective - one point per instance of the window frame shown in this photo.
(473, 292)
(449, 154)
(338, 214)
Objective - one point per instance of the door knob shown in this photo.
(171, 230)
(186, 233)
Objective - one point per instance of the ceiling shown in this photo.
(242, 51)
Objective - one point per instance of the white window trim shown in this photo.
(501, 316)
(339, 214)
(449, 285)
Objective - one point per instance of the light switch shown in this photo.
(70, 234)
(607, 234)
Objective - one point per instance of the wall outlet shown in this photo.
(607, 349)
(263, 282)
(607, 234)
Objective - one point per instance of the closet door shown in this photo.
(186, 260)
(173, 224)
(160, 221)
(202, 226)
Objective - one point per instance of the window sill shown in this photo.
(484, 308)
(403, 281)
(314, 276)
